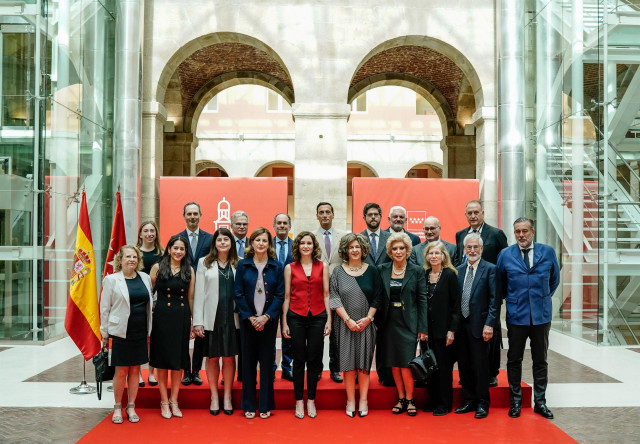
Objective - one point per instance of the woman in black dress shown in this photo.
(443, 301)
(125, 320)
(405, 317)
(213, 315)
(149, 245)
(174, 280)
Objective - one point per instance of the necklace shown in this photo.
(431, 291)
(175, 270)
(222, 270)
(354, 269)
(399, 273)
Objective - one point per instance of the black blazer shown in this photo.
(484, 303)
(413, 294)
(381, 257)
(204, 243)
(494, 241)
(444, 305)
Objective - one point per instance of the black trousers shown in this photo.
(334, 361)
(495, 344)
(287, 356)
(257, 347)
(473, 362)
(198, 355)
(539, 337)
(307, 341)
(440, 383)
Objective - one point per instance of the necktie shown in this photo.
(466, 291)
(240, 248)
(526, 257)
(194, 243)
(374, 247)
(283, 248)
(327, 244)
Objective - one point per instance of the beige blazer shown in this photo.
(115, 306)
(335, 258)
(206, 296)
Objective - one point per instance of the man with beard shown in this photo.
(372, 214)
(397, 221)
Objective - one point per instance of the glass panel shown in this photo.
(16, 302)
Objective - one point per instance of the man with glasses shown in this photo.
(240, 228)
(432, 230)
(377, 237)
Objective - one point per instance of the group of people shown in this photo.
(379, 291)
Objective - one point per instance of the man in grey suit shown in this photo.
(329, 239)
(432, 230)
(377, 237)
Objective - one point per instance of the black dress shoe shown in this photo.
(141, 384)
(215, 412)
(335, 376)
(542, 410)
(481, 412)
(514, 411)
(195, 377)
(441, 411)
(186, 380)
(493, 381)
(227, 412)
(153, 383)
(287, 375)
(466, 408)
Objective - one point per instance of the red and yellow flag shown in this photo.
(82, 320)
(118, 237)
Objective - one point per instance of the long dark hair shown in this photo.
(213, 251)
(164, 266)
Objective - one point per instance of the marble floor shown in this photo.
(594, 392)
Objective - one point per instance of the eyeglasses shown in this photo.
(373, 215)
(472, 247)
(430, 228)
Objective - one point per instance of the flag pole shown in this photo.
(83, 388)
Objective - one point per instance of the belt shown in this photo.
(396, 304)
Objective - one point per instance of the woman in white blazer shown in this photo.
(214, 317)
(125, 321)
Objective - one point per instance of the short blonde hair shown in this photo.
(402, 237)
(117, 262)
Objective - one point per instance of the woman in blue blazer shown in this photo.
(259, 293)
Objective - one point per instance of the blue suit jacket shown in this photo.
(527, 292)
(245, 284)
(484, 302)
(204, 244)
(289, 257)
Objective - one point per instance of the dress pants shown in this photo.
(287, 356)
(495, 344)
(307, 340)
(440, 383)
(198, 355)
(256, 347)
(539, 336)
(334, 360)
(473, 362)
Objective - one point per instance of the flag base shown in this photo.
(82, 389)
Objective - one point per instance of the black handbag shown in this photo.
(422, 366)
(104, 371)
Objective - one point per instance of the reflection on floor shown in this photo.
(593, 392)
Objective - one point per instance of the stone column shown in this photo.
(484, 119)
(459, 157)
(177, 151)
(321, 161)
(154, 115)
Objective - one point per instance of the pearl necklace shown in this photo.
(399, 273)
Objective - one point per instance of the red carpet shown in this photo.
(198, 426)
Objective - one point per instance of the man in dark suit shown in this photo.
(494, 241)
(282, 243)
(528, 274)
(199, 242)
(480, 308)
(432, 230)
(240, 228)
(397, 221)
(372, 214)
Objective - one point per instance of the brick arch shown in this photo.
(206, 164)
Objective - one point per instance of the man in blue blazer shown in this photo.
(480, 308)
(198, 244)
(528, 275)
(397, 221)
(494, 241)
(282, 243)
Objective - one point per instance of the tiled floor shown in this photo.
(594, 392)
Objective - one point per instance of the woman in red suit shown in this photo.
(306, 316)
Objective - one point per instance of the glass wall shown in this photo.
(56, 121)
(582, 58)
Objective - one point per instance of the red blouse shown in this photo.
(307, 295)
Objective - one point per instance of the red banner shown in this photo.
(442, 198)
(219, 197)
(118, 237)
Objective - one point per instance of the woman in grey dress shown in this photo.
(355, 295)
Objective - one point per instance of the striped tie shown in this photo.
(466, 292)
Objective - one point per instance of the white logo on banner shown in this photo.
(415, 222)
(224, 214)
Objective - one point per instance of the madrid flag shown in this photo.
(118, 237)
(82, 320)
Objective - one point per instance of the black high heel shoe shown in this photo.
(411, 407)
(403, 406)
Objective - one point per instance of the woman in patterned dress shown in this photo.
(355, 295)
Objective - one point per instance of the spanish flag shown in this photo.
(82, 320)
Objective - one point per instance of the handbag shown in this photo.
(423, 365)
(104, 371)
